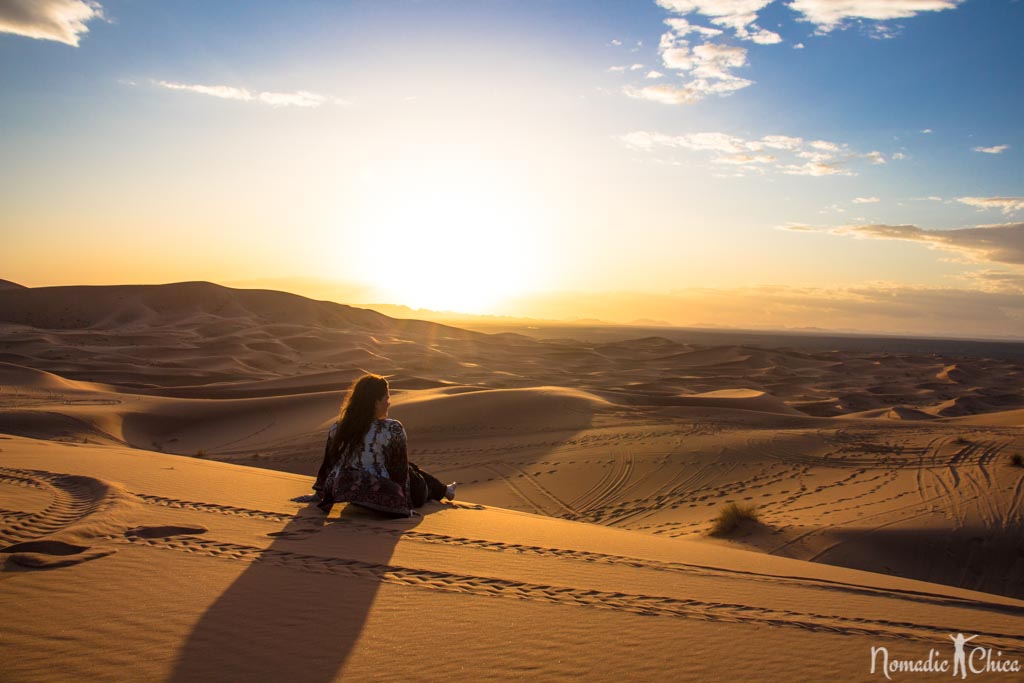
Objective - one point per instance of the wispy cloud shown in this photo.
(993, 243)
(300, 98)
(996, 281)
(665, 94)
(1007, 205)
(866, 200)
(61, 20)
(997, 149)
(783, 153)
(623, 68)
(829, 15)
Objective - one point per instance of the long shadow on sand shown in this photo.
(974, 557)
(294, 613)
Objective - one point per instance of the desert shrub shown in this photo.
(731, 516)
(961, 441)
(201, 453)
(1017, 460)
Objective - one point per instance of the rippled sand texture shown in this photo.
(155, 437)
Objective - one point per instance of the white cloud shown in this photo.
(616, 69)
(678, 58)
(715, 61)
(816, 168)
(708, 67)
(927, 131)
(636, 67)
(681, 27)
(653, 74)
(301, 98)
(875, 157)
(615, 42)
(781, 142)
(783, 153)
(222, 91)
(828, 15)
(738, 15)
(899, 156)
(61, 20)
(998, 149)
(665, 94)
(883, 31)
(715, 8)
(825, 145)
(763, 37)
(866, 200)
(799, 227)
(1007, 205)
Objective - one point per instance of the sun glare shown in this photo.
(447, 238)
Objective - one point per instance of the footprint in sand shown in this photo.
(164, 531)
(52, 554)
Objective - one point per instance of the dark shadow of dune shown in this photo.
(299, 606)
(972, 557)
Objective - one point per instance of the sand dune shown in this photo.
(591, 474)
(125, 530)
(739, 399)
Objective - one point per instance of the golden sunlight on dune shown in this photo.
(152, 439)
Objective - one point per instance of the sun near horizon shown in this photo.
(801, 164)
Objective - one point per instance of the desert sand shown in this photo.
(155, 435)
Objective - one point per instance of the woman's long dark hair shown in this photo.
(357, 413)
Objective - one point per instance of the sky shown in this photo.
(833, 164)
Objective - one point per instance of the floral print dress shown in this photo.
(377, 477)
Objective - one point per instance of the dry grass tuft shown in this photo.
(731, 516)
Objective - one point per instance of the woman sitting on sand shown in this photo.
(366, 462)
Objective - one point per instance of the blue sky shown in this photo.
(847, 164)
